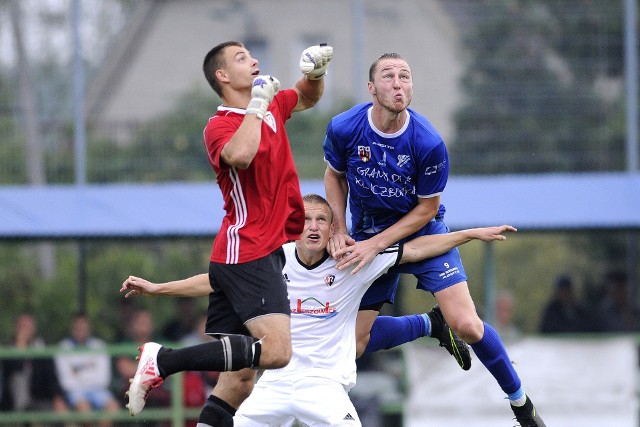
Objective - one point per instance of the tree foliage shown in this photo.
(534, 102)
(533, 89)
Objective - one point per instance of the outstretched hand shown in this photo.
(358, 254)
(487, 234)
(138, 286)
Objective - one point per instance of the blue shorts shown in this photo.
(98, 398)
(433, 274)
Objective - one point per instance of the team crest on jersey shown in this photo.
(364, 152)
(270, 120)
(329, 279)
(402, 159)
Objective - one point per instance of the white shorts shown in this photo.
(311, 401)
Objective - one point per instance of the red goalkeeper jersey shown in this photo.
(263, 204)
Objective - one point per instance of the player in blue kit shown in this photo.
(391, 165)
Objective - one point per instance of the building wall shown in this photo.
(165, 54)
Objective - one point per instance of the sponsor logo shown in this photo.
(430, 170)
(384, 159)
(384, 183)
(388, 147)
(378, 174)
(313, 308)
(349, 417)
(403, 159)
(286, 278)
(364, 152)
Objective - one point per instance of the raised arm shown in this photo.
(309, 93)
(194, 286)
(241, 149)
(313, 64)
(436, 244)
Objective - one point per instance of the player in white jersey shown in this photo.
(313, 387)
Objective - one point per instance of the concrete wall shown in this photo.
(161, 58)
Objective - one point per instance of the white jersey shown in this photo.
(324, 305)
(83, 371)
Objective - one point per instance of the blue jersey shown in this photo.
(386, 173)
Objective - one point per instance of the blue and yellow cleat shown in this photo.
(448, 339)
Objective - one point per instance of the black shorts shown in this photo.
(242, 292)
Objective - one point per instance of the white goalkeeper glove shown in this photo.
(315, 60)
(262, 92)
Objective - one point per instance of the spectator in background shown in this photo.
(618, 312)
(141, 329)
(197, 334)
(564, 313)
(504, 323)
(85, 376)
(184, 320)
(30, 384)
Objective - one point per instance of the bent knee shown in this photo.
(275, 360)
(469, 328)
(282, 359)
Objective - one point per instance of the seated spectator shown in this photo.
(197, 333)
(85, 376)
(564, 313)
(29, 384)
(618, 312)
(504, 324)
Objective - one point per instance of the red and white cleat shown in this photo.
(147, 377)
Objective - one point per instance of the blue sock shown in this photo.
(518, 398)
(493, 356)
(388, 332)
